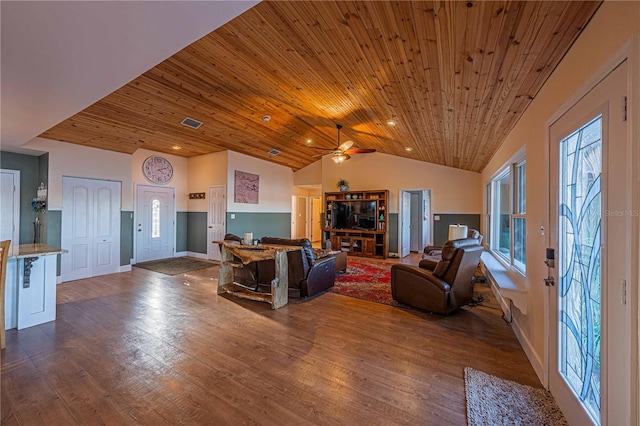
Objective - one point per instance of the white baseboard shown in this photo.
(197, 255)
(182, 253)
(58, 279)
(534, 359)
(125, 268)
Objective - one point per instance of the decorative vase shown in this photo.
(344, 188)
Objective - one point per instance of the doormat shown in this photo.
(176, 265)
(494, 401)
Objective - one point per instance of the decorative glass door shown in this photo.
(589, 328)
(580, 191)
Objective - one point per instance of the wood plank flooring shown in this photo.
(146, 348)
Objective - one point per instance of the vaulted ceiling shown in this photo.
(455, 77)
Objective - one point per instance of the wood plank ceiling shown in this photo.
(456, 76)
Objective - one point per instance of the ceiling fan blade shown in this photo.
(345, 146)
(360, 151)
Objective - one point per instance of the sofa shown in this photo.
(308, 275)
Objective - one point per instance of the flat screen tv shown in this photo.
(355, 214)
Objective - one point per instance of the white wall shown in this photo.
(276, 184)
(609, 29)
(453, 190)
(179, 180)
(310, 175)
(205, 171)
(67, 159)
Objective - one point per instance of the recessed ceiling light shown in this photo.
(176, 147)
(309, 140)
(392, 122)
(408, 149)
(266, 118)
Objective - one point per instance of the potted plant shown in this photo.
(343, 185)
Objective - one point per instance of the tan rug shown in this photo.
(494, 401)
(176, 265)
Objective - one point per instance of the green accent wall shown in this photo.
(392, 228)
(126, 237)
(261, 224)
(181, 231)
(441, 227)
(196, 226)
(53, 230)
(29, 167)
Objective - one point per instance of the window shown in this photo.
(505, 215)
(155, 219)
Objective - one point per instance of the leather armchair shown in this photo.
(435, 251)
(442, 288)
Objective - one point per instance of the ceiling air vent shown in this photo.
(190, 122)
(274, 152)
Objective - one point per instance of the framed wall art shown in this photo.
(247, 187)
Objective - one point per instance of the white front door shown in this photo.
(405, 222)
(590, 223)
(90, 228)
(155, 222)
(217, 214)
(10, 206)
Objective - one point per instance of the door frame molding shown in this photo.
(630, 52)
(135, 217)
(15, 233)
(426, 239)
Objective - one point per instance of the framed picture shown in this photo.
(247, 187)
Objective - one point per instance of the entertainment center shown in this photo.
(356, 222)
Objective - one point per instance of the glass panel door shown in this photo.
(579, 261)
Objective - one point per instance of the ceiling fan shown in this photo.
(341, 153)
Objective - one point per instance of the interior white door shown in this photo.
(90, 227)
(10, 206)
(217, 214)
(405, 222)
(155, 222)
(590, 224)
(426, 217)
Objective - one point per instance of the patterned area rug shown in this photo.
(366, 280)
(175, 265)
(494, 401)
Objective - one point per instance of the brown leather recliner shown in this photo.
(435, 252)
(307, 275)
(443, 288)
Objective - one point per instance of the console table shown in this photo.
(30, 297)
(279, 294)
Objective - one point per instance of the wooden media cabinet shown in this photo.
(356, 222)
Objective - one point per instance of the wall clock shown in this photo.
(157, 169)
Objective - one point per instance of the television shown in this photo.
(354, 214)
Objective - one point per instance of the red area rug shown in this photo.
(366, 280)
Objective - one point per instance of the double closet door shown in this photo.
(90, 227)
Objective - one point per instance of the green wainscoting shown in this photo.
(126, 237)
(53, 231)
(261, 224)
(441, 227)
(196, 232)
(392, 228)
(181, 231)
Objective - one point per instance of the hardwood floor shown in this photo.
(145, 348)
